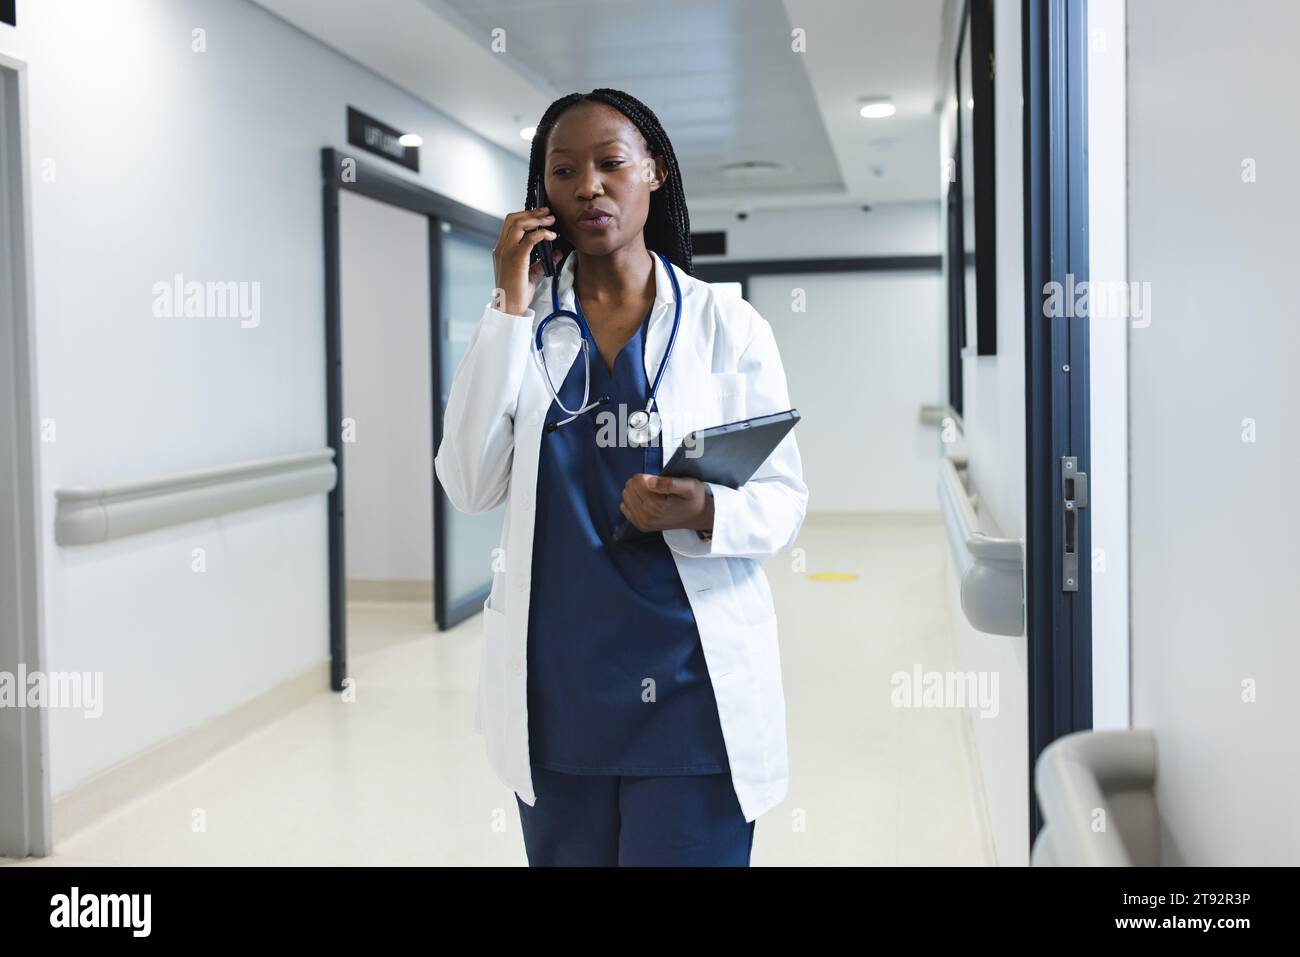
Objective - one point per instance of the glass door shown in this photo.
(464, 545)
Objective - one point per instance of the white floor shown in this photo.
(400, 777)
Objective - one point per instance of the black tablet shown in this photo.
(724, 455)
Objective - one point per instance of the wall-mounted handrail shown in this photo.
(991, 568)
(1097, 793)
(935, 415)
(89, 515)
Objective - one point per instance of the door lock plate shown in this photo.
(1074, 496)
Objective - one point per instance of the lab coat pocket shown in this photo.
(750, 593)
(727, 393)
(492, 671)
(770, 716)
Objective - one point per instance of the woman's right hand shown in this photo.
(516, 278)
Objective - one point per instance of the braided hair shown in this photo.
(667, 226)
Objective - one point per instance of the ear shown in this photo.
(655, 171)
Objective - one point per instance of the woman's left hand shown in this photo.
(656, 503)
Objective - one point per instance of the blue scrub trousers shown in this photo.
(590, 820)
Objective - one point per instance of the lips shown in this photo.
(595, 218)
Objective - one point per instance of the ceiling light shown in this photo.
(410, 139)
(528, 132)
(875, 111)
(745, 167)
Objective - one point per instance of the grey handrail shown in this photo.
(89, 515)
(991, 568)
(1097, 793)
(936, 414)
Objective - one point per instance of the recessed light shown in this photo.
(745, 167)
(528, 132)
(876, 111)
(410, 139)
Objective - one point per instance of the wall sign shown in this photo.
(376, 137)
(712, 243)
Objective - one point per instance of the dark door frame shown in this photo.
(343, 171)
(1059, 620)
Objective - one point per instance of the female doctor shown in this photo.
(630, 692)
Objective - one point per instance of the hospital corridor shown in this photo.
(334, 784)
(455, 434)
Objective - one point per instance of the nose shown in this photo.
(589, 185)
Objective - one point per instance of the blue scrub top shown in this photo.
(607, 619)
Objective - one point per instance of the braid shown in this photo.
(668, 224)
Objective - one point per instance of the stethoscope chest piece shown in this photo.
(643, 427)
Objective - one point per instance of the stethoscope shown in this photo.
(643, 425)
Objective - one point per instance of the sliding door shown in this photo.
(464, 545)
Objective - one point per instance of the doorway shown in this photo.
(384, 289)
(459, 277)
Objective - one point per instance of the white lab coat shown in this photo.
(724, 366)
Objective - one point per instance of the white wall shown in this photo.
(860, 364)
(150, 159)
(384, 293)
(1213, 557)
(863, 356)
(1108, 362)
(994, 417)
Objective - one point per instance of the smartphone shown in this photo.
(548, 253)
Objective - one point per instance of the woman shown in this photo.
(630, 691)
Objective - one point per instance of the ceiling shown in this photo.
(721, 75)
